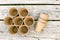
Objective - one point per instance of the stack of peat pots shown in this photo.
(19, 21)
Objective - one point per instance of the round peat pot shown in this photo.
(8, 20)
(18, 21)
(23, 30)
(13, 29)
(23, 12)
(29, 21)
(13, 11)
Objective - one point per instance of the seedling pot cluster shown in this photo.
(19, 21)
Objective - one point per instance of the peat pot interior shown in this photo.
(18, 21)
(13, 29)
(13, 12)
(23, 12)
(8, 20)
(29, 21)
(23, 29)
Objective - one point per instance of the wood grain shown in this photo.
(52, 30)
(51, 10)
(30, 2)
(46, 39)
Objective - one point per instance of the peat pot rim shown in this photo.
(15, 20)
(21, 11)
(22, 32)
(12, 10)
(25, 20)
(10, 30)
(6, 19)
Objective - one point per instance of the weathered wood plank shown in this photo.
(51, 31)
(46, 39)
(16, 38)
(29, 2)
(58, 39)
(51, 10)
(24, 38)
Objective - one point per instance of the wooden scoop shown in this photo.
(41, 23)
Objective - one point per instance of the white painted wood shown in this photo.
(5, 35)
(58, 39)
(52, 30)
(46, 39)
(34, 10)
(29, 2)
(16, 38)
(24, 38)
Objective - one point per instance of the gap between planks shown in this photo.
(24, 4)
(34, 20)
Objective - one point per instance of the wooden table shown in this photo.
(35, 7)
